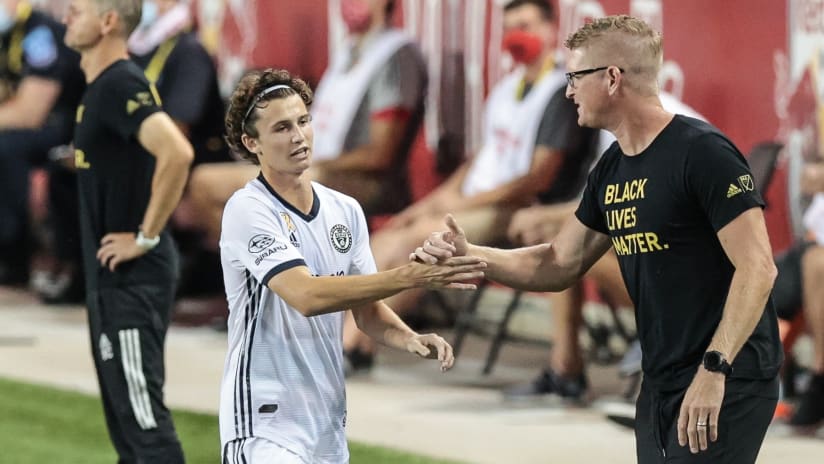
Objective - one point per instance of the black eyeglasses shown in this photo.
(572, 75)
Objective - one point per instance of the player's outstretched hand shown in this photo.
(457, 273)
(442, 245)
(116, 248)
(432, 346)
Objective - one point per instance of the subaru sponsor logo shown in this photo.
(260, 242)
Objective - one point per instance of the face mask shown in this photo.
(149, 14)
(356, 15)
(7, 20)
(523, 46)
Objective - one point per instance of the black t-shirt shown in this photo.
(189, 90)
(559, 130)
(114, 174)
(34, 47)
(662, 209)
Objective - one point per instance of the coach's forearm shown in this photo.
(749, 290)
(167, 188)
(535, 268)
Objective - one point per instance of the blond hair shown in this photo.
(129, 12)
(626, 42)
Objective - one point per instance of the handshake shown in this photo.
(442, 261)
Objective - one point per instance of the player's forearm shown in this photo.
(749, 290)
(322, 295)
(168, 183)
(534, 268)
(383, 325)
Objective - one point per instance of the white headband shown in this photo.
(257, 100)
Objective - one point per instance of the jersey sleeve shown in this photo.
(362, 260)
(130, 100)
(252, 238)
(589, 210)
(42, 54)
(398, 86)
(718, 178)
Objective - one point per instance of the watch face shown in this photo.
(712, 360)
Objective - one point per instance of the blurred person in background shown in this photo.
(40, 85)
(167, 47)
(799, 285)
(533, 149)
(368, 109)
(132, 162)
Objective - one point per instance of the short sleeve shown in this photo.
(42, 53)
(718, 178)
(362, 260)
(131, 100)
(252, 238)
(399, 84)
(559, 127)
(589, 212)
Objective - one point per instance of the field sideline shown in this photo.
(40, 424)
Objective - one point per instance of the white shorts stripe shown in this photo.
(132, 361)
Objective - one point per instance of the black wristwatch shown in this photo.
(714, 361)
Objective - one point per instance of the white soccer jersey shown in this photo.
(283, 377)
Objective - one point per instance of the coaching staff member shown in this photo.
(676, 200)
(132, 163)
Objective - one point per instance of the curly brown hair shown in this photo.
(251, 94)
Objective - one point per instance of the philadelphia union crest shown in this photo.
(341, 238)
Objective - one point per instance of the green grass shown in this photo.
(40, 424)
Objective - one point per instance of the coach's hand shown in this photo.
(442, 245)
(118, 247)
(432, 346)
(698, 418)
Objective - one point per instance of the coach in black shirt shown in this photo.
(676, 201)
(132, 163)
(40, 85)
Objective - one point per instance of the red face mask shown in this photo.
(524, 47)
(356, 15)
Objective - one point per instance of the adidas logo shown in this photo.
(732, 191)
(132, 106)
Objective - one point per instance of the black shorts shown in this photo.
(746, 413)
(787, 291)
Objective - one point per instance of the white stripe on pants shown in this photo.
(133, 369)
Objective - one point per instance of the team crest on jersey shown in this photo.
(291, 228)
(341, 238)
(105, 345)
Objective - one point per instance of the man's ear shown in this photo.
(110, 21)
(250, 143)
(615, 76)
